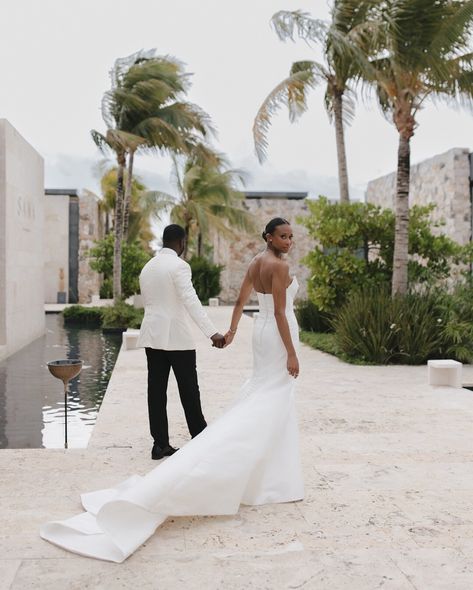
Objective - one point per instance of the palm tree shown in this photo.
(340, 41)
(143, 111)
(208, 199)
(146, 206)
(421, 50)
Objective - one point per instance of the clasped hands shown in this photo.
(221, 341)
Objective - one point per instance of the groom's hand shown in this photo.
(218, 340)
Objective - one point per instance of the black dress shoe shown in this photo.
(158, 453)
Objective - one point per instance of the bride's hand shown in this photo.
(293, 365)
(229, 336)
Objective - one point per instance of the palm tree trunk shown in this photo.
(341, 151)
(401, 235)
(117, 246)
(187, 229)
(200, 244)
(127, 199)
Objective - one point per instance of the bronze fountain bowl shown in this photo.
(65, 369)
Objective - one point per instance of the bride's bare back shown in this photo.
(261, 272)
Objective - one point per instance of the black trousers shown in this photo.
(183, 364)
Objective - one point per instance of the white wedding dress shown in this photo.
(250, 455)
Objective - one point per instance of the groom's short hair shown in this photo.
(173, 233)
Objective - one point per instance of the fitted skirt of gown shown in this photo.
(249, 455)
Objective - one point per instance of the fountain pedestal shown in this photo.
(65, 370)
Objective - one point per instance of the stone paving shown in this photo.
(388, 463)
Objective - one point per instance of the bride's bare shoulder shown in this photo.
(280, 267)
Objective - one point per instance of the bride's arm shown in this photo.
(243, 296)
(279, 288)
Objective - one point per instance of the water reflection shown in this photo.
(32, 400)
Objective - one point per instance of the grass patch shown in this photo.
(327, 342)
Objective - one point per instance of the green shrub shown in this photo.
(418, 333)
(86, 316)
(365, 328)
(311, 319)
(410, 329)
(134, 257)
(106, 289)
(205, 278)
(122, 315)
(354, 245)
(457, 323)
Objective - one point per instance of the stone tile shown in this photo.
(8, 570)
(388, 465)
(435, 569)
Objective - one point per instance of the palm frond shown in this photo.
(288, 24)
(291, 93)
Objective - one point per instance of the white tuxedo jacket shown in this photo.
(169, 299)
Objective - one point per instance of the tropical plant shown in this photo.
(354, 245)
(133, 259)
(86, 316)
(417, 49)
(311, 319)
(144, 111)
(122, 315)
(457, 322)
(340, 41)
(146, 206)
(208, 199)
(205, 278)
(374, 327)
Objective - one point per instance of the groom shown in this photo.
(169, 298)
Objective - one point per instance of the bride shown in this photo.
(250, 455)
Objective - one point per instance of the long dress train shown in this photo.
(249, 455)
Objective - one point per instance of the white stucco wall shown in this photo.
(56, 246)
(21, 241)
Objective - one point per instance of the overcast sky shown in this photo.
(55, 57)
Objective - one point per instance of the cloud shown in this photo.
(266, 178)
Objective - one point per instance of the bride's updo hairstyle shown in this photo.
(272, 225)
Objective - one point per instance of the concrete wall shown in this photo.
(21, 241)
(72, 225)
(443, 180)
(56, 247)
(235, 254)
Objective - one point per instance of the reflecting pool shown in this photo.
(32, 400)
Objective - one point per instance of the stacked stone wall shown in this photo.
(443, 180)
(235, 254)
(90, 230)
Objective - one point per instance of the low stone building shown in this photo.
(444, 180)
(235, 254)
(72, 224)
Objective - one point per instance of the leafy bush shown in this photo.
(457, 323)
(355, 245)
(86, 316)
(205, 278)
(374, 327)
(365, 327)
(106, 289)
(134, 257)
(122, 315)
(311, 319)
